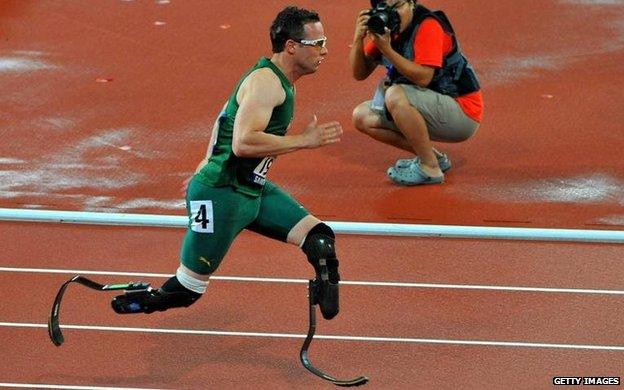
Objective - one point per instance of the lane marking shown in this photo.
(69, 387)
(366, 228)
(402, 340)
(345, 282)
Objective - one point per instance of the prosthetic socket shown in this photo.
(319, 248)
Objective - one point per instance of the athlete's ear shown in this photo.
(290, 46)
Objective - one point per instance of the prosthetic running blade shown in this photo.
(312, 294)
(54, 327)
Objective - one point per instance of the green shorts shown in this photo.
(218, 214)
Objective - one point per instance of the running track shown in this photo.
(107, 107)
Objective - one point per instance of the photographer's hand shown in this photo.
(361, 65)
(360, 26)
(420, 75)
(382, 41)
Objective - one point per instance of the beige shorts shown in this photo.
(445, 119)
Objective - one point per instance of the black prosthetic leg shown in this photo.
(171, 294)
(319, 248)
(313, 296)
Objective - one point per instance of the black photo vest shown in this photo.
(455, 78)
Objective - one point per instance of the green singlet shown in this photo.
(230, 194)
(246, 175)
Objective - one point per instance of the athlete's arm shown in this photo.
(257, 96)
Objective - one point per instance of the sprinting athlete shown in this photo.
(230, 190)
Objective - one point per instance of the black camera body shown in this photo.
(381, 16)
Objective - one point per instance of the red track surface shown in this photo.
(547, 155)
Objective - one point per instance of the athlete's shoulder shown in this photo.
(265, 73)
(263, 82)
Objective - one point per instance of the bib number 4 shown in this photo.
(201, 217)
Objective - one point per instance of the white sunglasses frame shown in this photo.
(314, 42)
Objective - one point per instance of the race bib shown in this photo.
(202, 220)
(260, 172)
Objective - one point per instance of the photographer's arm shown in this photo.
(420, 75)
(361, 65)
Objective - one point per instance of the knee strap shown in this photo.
(319, 248)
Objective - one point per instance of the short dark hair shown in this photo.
(288, 24)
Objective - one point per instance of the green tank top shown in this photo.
(246, 175)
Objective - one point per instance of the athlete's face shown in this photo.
(312, 49)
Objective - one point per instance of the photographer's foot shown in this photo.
(415, 174)
(443, 161)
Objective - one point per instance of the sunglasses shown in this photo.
(320, 43)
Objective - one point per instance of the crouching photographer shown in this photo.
(430, 91)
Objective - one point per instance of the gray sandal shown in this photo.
(443, 162)
(412, 175)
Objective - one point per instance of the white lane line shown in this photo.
(327, 337)
(345, 282)
(69, 387)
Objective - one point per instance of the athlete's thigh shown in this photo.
(279, 213)
(216, 216)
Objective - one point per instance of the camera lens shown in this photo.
(377, 23)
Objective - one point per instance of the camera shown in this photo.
(381, 16)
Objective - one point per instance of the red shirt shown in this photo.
(431, 45)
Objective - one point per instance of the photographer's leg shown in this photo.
(370, 123)
(413, 126)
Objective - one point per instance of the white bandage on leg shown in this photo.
(193, 284)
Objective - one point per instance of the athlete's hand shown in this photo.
(322, 134)
(360, 25)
